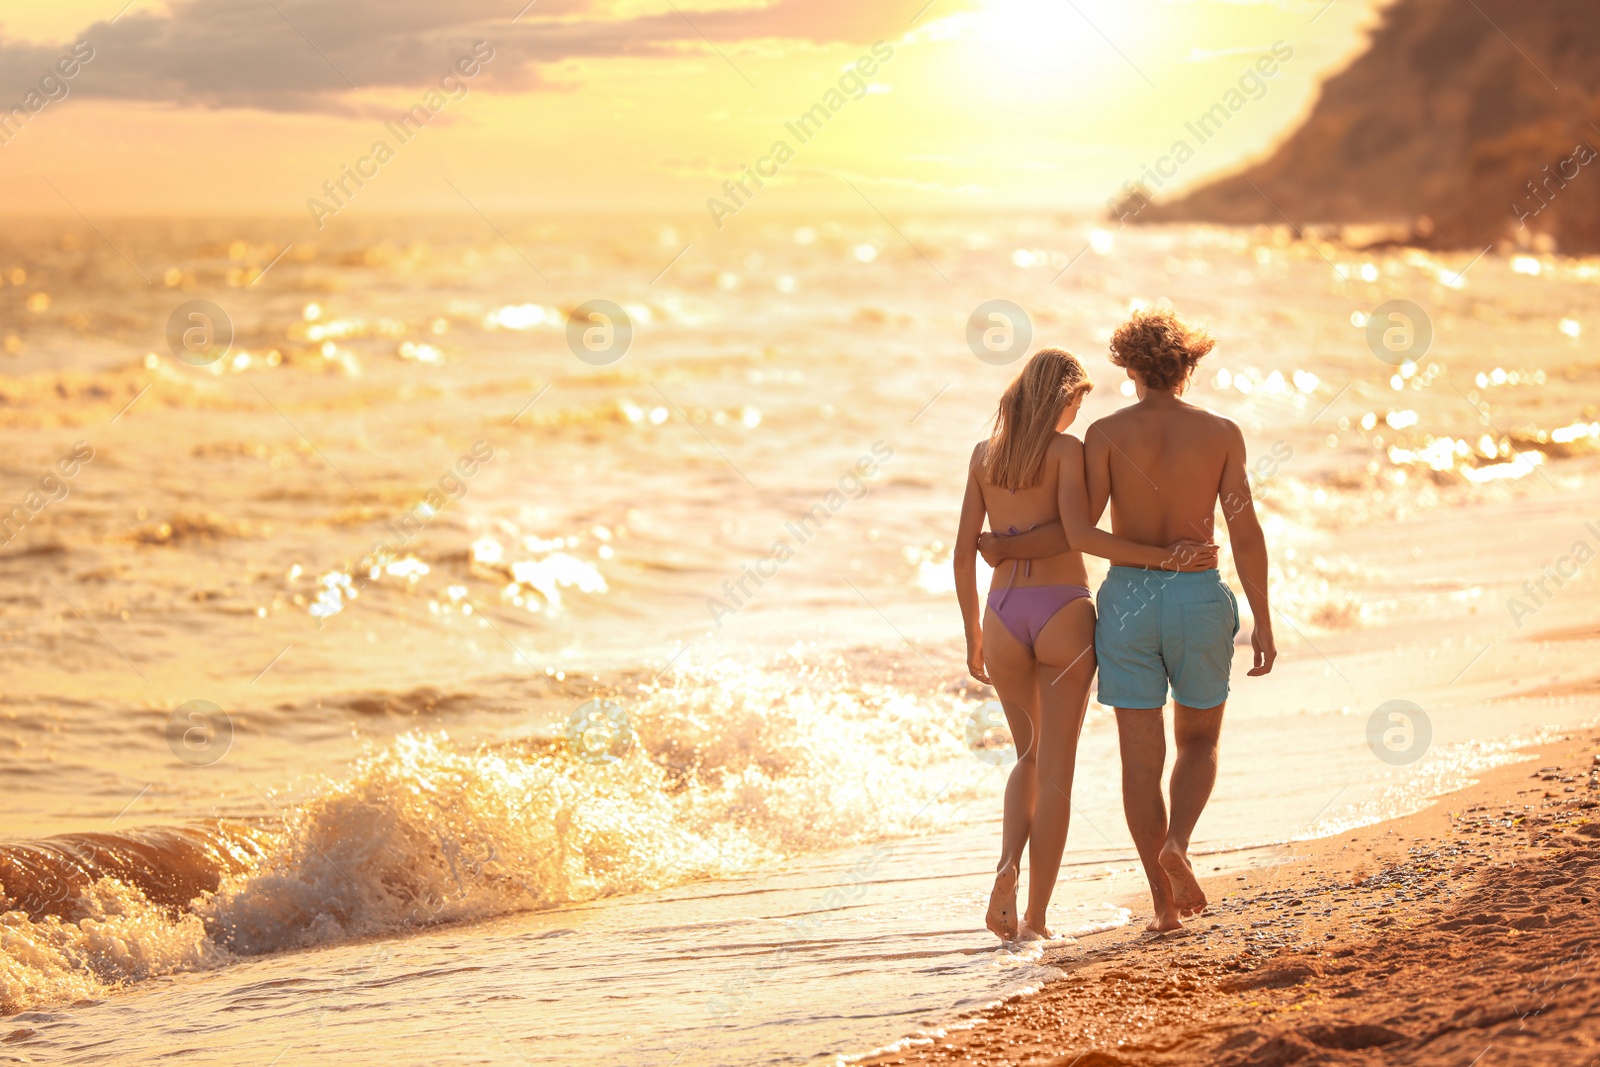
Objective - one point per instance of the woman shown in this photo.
(1036, 641)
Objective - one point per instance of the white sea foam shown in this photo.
(733, 768)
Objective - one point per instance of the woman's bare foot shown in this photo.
(1002, 918)
(1186, 892)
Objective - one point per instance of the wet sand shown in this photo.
(1468, 933)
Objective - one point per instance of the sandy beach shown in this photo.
(1466, 933)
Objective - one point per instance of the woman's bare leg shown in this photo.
(1011, 669)
(1065, 653)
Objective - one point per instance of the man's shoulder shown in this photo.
(1111, 425)
(1218, 422)
(1209, 433)
(1132, 419)
(1203, 419)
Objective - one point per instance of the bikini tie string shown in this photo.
(1027, 565)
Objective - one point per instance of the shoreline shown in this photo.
(1493, 890)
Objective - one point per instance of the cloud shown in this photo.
(310, 55)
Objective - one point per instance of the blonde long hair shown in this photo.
(1026, 419)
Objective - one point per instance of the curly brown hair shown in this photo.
(1160, 347)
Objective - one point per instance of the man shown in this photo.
(1164, 464)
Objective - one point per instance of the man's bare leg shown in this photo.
(1142, 735)
(1194, 772)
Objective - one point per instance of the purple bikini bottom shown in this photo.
(1025, 609)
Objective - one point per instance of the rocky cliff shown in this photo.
(1466, 122)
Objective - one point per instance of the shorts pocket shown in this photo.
(1201, 676)
(1208, 631)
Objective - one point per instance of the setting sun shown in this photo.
(1070, 40)
(1062, 101)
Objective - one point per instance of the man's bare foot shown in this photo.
(1186, 893)
(1167, 917)
(1002, 918)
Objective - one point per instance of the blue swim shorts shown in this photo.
(1161, 627)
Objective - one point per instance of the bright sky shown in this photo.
(223, 106)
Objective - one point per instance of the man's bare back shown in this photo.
(1162, 464)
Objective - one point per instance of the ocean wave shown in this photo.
(727, 768)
